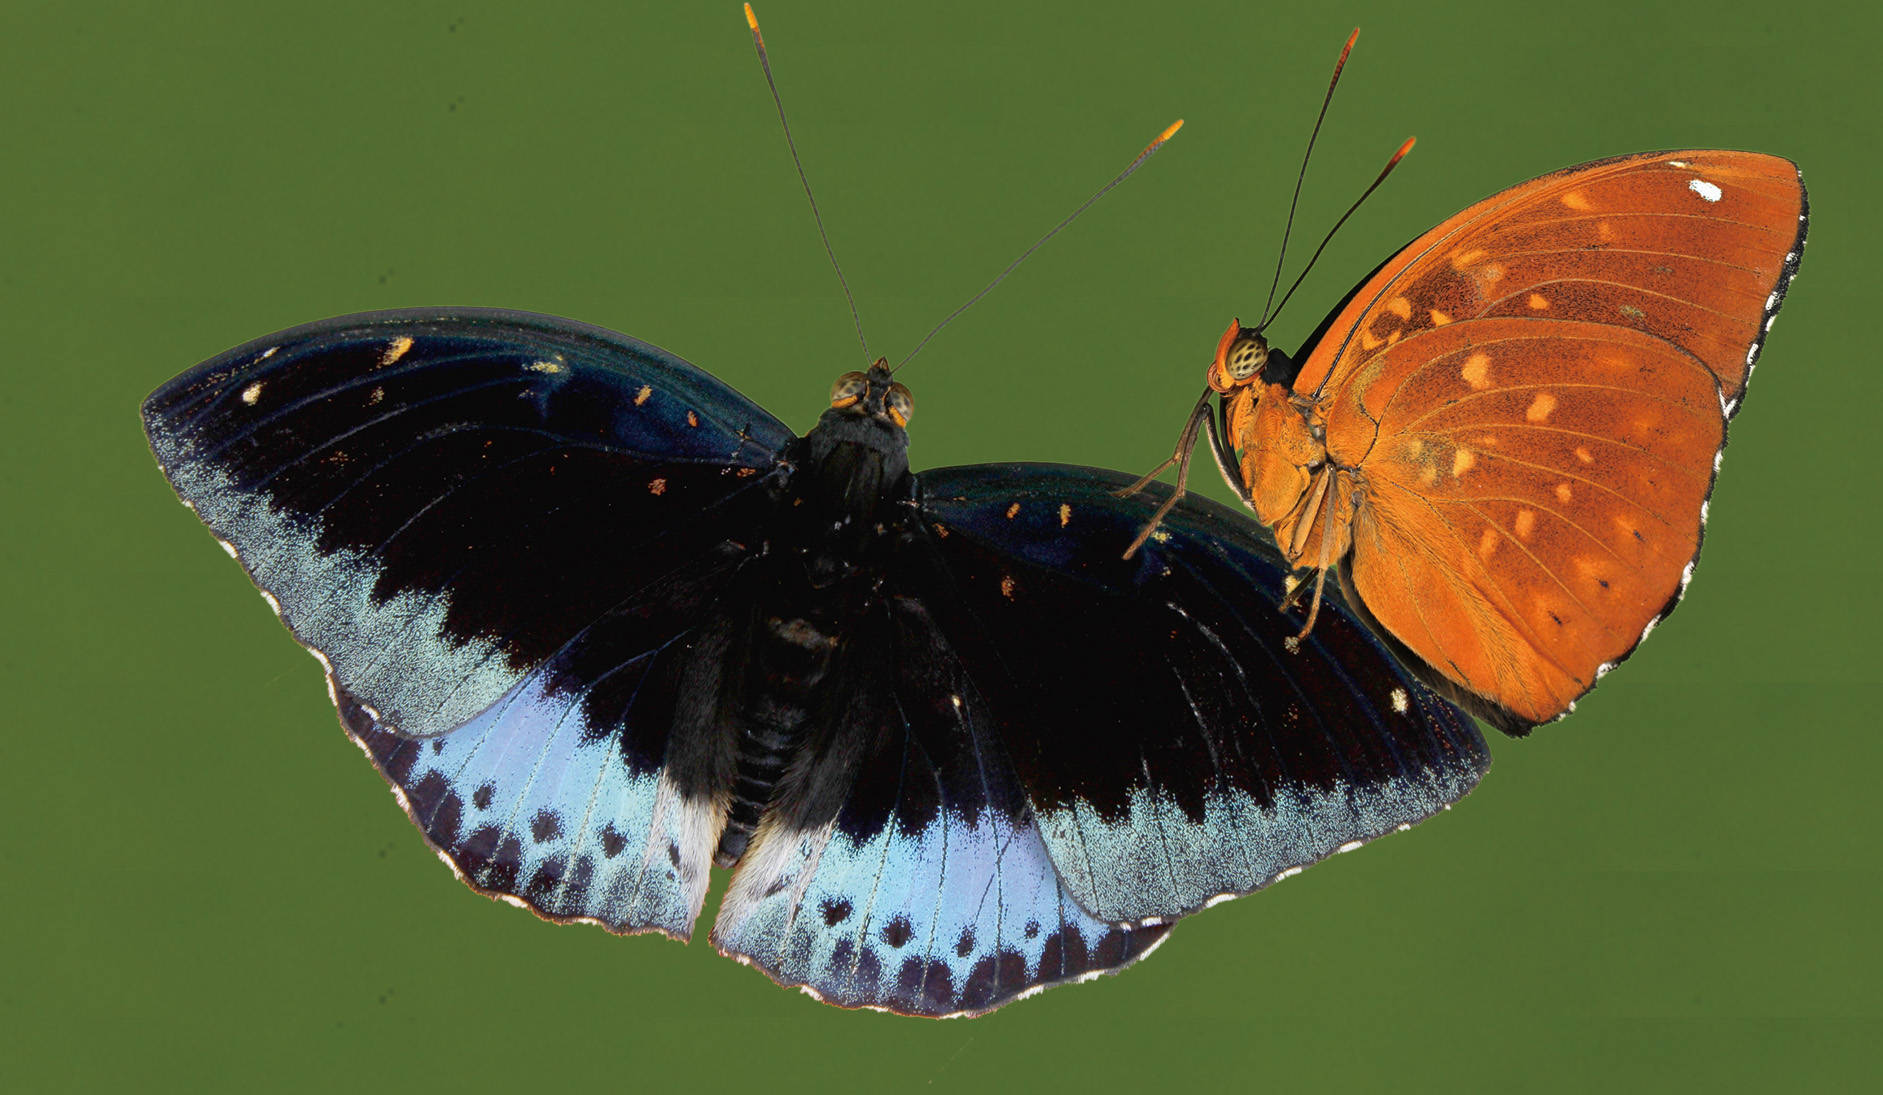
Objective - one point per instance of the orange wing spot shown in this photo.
(1013, 511)
(692, 419)
(1487, 441)
(1006, 586)
(1526, 523)
(1369, 341)
(643, 395)
(1487, 543)
(1459, 262)
(1439, 319)
(1065, 515)
(1577, 200)
(395, 350)
(1592, 570)
(1428, 475)
(657, 486)
(375, 396)
(1540, 407)
(1463, 461)
(1538, 302)
(1492, 273)
(1477, 371)
(1400, 307)
(1605, 231)
(1583, 454)
(1563, 493)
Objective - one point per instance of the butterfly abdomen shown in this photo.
(790, 658)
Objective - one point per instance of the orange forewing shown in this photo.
(1532, 397)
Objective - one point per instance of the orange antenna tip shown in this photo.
(1166, 135)
(1342, 63)
(1403, 149)
(752, 21)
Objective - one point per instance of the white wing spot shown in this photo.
(1401, 702)
(251, 393)
(1349, 846)
(268, 353)
(1677, 163)
(549, 367)
(1705, 189)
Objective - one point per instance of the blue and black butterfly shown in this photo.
(603, 623)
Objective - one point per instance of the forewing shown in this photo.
(506, 537)
(436, 503)
(1535, 394)
(1695, 248)
(928, 890)
(1173, 740)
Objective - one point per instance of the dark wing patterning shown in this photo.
(1041, 746)
(492, 528)
(1173, 740)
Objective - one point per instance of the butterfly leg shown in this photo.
(1180, 456)
(1322, 483)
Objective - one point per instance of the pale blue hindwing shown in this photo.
(525, 804)
(941, 900)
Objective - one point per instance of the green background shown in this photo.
(206, 887)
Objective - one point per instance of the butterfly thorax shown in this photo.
(1280, 443)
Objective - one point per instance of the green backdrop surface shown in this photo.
(207, 888)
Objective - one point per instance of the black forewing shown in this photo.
(1174, 741)
(439, 502)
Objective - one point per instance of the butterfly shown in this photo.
(603, 623)
(1503, 440)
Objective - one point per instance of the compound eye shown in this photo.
(1246, 357)
(900, 404)
(849, 388)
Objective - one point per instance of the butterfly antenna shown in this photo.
(1385, 171)
(1292, 202)
(758, 42)
(1149, 149)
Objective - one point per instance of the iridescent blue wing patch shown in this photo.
(1174, 741)
(493, 529)
(928, 890)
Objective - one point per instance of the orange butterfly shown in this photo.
(1504, 439)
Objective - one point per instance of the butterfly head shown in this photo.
(1244, 358)
(1240, 356)
(875, 394)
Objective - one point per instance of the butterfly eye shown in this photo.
(848, 389)
(900, 404)
(1246, 356)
